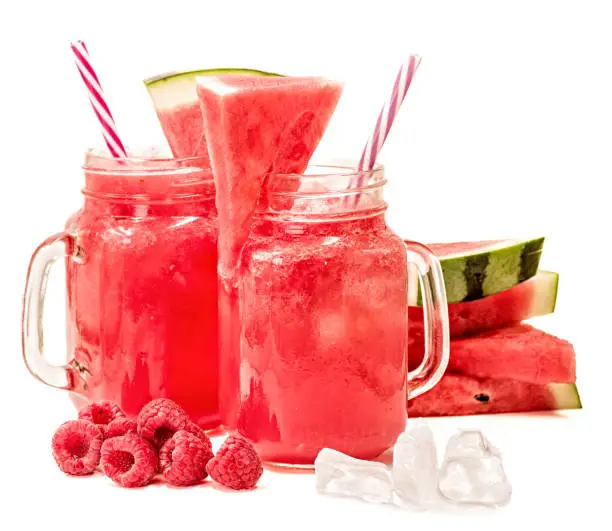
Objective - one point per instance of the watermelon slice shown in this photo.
(255, 126)
(532, 298)
(464, 395)
(520, 352)
(178, 109)
(473, 270)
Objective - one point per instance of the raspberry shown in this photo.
(160, 419)
(120, 426)
(129, 460)
(76, 447)
(236, 465)
(194, 429)
(183, 459)
(101, 413)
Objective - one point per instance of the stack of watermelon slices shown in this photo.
(498, 363)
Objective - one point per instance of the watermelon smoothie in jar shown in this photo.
(314, 325)
(141, 281)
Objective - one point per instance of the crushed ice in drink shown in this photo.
(415, 466)
(338, 474)
(472, 471)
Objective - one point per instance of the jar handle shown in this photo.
(69, 376)
(435, 320)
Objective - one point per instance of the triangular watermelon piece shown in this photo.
(456, 395)
(474, 270)
(520, 352)
(532, 298)
(254, 126)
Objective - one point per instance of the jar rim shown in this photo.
(147, 179)
(104, 163)
(324, 192)
(337, 169)
(337, 179)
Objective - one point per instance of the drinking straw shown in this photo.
(387, 115)
(96, 98)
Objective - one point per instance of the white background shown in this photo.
(506, 132)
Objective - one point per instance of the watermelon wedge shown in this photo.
(255, 126)
(178, 109)
(473, 270)
(464, 395)
(520, 352)
(532, 298)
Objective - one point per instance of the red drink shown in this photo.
(142, 286)
(314, 331)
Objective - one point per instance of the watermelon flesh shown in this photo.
(474, 270)
(443, 250)
(183, 130)
(520, 352)
(457, 394)
(255, 126)
(532, 298)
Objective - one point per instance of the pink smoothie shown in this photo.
(314, 339)
(142, 307)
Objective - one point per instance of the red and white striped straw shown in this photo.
(388, 113)
(96, 98)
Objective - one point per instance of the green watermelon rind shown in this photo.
(545, 302)
(566, 396)
(169, 77)
(180, 85)
(478, 273)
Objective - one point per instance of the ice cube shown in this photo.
(469, 443)
(415, 466)
(472, 471)
(341, 475)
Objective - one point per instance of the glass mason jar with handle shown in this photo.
(314, 326)
(141, 286)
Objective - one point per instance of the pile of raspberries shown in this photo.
(163, 440)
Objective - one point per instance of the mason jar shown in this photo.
(141, 288)
(314, 325)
